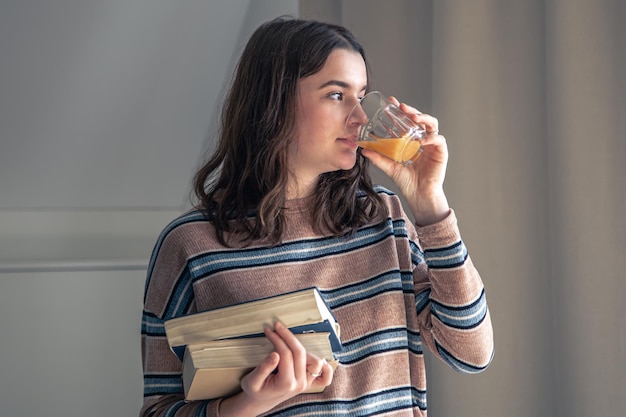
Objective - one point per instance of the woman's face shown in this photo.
(325, 100)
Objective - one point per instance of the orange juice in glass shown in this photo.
(404, 150)
(388, 130)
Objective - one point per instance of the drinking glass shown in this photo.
(388, 130)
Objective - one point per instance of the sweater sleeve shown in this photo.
(168, 294)
(450, 299)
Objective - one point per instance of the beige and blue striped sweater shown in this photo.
(395, 290)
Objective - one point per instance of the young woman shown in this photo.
(286, 202)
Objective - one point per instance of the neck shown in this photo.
(299, 188)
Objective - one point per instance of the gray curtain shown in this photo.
(531, 96)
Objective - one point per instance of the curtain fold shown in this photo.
(585, 78)
(489, 94)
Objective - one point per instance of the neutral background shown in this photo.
(107, 106)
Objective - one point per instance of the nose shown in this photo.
(356, 117)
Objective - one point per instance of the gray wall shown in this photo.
(105, 107)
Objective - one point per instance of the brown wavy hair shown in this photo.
(242, 187)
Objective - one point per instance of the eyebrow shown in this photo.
(339, 84)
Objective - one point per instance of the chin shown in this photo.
(346, 165)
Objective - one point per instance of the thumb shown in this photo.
(256, 378)
(386, 165)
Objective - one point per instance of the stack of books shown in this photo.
(218, 347)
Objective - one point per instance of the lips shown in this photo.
(348, 141)
(351, 139)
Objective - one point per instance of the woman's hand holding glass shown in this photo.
(421, 182)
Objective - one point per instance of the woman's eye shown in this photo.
(336, 96)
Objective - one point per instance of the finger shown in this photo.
(409, 109)
(285, 365)
(314, 365)
(404, 107)
(325, 376)
(428, 122)
(255, 380)
(386, 165)
(298, 353)
(434, 139)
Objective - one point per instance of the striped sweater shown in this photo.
(395, 289)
